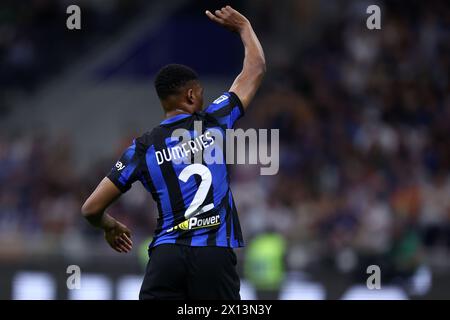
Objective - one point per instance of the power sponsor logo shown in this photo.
(197, 223)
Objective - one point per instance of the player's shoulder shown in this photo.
(149, 138)
(222, 99)
(146, 139)
(226, 99)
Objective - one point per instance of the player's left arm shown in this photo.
(117, 235)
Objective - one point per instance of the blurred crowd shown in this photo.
(41, 193)
(37, 182)
(35, 44)
(364, 119)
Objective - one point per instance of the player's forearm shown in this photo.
(102, 221)
(254, 67)
(97, 217)
(94, 207)
(254, 61)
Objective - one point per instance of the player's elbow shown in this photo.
(255, 67)
(258, 70)
(89, 209)
(259, 67)
(263, 66)
(86, 210)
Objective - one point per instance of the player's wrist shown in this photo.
(244, 27)
(107, 222)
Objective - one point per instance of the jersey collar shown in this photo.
(175, 118)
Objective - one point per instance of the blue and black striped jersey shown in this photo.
(187, 176)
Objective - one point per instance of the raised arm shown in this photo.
(248, 81)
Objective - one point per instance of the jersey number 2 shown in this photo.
(196, 207)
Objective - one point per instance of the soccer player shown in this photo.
(191, 254)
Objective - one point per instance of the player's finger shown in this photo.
(229, 9)
(115, 247)
(112, 244)
(123, 248)
(119, 240)
(125, 243)
(220, 14)
(127, 239)
(213, 17)
(119, 245)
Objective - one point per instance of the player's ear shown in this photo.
(190, 96)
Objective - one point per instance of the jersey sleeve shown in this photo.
(126, 170)
(227, 109)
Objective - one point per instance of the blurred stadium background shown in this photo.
(364, 119)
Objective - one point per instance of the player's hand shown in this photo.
(118, 237)
(229, 18)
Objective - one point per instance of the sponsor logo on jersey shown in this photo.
(197, 223)
(120, 166)
(220, 99)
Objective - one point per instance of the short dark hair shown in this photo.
(171, 78)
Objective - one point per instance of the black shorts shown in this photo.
(178, 272)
